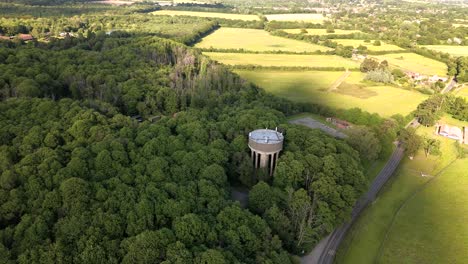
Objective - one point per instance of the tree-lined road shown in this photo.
(330, 245)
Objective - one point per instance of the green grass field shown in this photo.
(430, 227)
(255, 40)
(206, 14)
(463, 92)
(414, 62)
(456, 51)
(321, 31)
(315, 18)
(370, 46)
(282, 60)
(312, 86)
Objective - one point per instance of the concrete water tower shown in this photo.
(265, 146)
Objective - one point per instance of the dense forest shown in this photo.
(83, 182)
(121, 144)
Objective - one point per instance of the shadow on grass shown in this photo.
(355, 90)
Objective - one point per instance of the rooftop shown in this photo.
(266, 136)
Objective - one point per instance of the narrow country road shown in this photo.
(325, 251)
(449, 86)
(330, 244)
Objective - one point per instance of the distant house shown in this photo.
(25, 37)
(66, 34)
(452, 132)
(416, 76)
(339, 123)
(358, 57)
(436, 78)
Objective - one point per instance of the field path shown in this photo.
(340, 80)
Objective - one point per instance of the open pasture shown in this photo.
(463, 92)
(415, 63)
(254, 40)
(290, 60)
(456, 51)
(312, 86)
(315, 18)
(370, 45)
(430, 226)
(206, 14)
(320, 31)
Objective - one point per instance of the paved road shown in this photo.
(449, 86)
(328, 254)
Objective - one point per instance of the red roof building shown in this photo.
(25, 37)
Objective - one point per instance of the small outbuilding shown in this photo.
(452, 132)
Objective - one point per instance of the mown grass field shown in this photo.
(431, 225)
(463, 92)
(315, 18)
(282, 60)
(414, 62)
(456, 51)
(370, 45)
(254, 40)
(205, 14)
(312, 86)
(320, 31)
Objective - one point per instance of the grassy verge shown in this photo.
(413, 237)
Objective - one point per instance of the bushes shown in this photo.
(379, 75)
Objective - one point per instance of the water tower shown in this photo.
(265, 146)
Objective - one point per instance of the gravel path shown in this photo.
(340, 80)
(312, 123)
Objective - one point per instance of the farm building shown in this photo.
(436, 78)
(452, 132)
(25, 37)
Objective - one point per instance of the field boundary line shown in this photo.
(340, 80)
(405, 202)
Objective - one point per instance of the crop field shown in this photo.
(416, 63)
(206, 14)
(456, 51)
(321, 31)
(254, 40)
(370, 45)
(290, 60)
(312, 86)
(315, 18)
(431, 225)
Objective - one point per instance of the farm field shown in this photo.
(463, 92)
(254, 40)
(290, 60)
(206, 14)
(316, 18)
(312, 86)
(414, 62)
(370, 46)
(321, 31)
(452, 50)
(429, 228)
